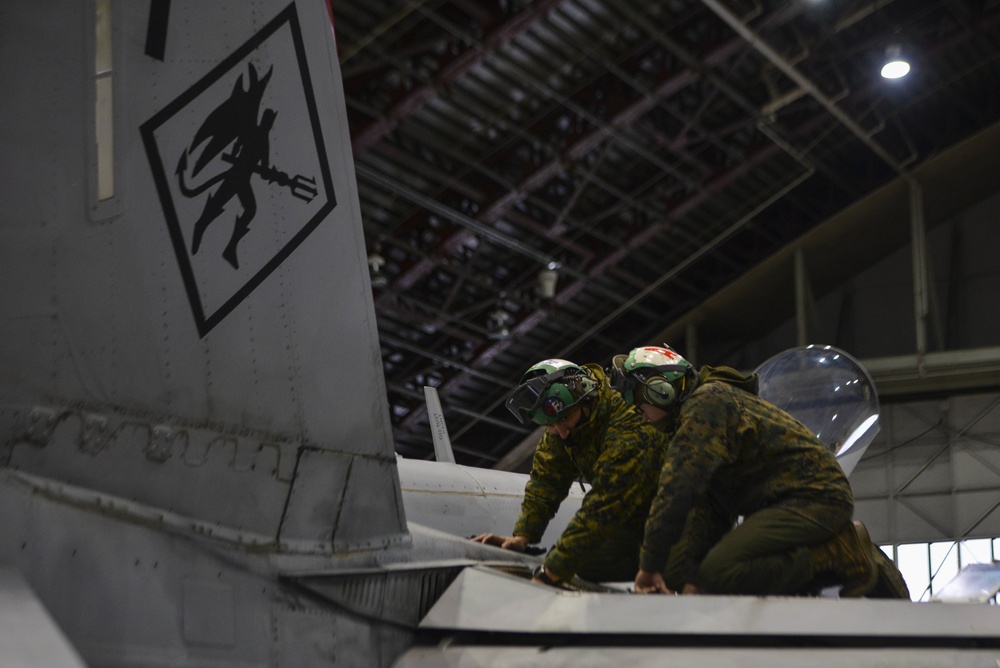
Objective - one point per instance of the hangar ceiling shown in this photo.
(643, 154)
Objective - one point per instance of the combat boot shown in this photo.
(890, 581)
(850, 558)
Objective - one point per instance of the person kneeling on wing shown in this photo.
(732, 454)
(590, 434)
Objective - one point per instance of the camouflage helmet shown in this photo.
(549, 390)
(656, 375)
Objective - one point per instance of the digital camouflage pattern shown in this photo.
(732, 454)
(615, 451)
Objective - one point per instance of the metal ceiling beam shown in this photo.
(532, 320)
(844, 244)
(426, 264)
(589, 142)
(694, 257)
(920, 280)
(516, 457)
(543, 176)
(613, 259)
(918, 233)
(440, 322)
(701, 91)
(935, 372)
(471, 224)
(352, 50)
(804, 83)
(509, 425)
(451, 182)
(448, 74)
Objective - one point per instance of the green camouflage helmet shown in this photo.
(549, 390)
(654, 375)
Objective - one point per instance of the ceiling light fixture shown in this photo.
(547, 279)
(376, 262)
(895, 65)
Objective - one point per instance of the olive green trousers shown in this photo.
(768, 554)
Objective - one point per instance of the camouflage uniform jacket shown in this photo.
(732, 454)
(614, 450)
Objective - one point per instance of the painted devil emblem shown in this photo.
(241, 169)
(235, 139)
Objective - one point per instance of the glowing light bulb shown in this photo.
(895, 65)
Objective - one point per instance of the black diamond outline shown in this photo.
(205, 324)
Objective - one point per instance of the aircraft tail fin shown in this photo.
(199, 342)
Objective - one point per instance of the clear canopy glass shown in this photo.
(830, 392)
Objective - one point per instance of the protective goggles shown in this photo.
(621, 380)
(531, 402)
(625, 383)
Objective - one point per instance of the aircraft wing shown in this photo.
(489, 617)
(28, 634)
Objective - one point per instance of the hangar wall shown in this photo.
(872, 315)
(933, 472)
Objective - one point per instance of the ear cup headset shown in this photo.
(656, 390)
(654, 375)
